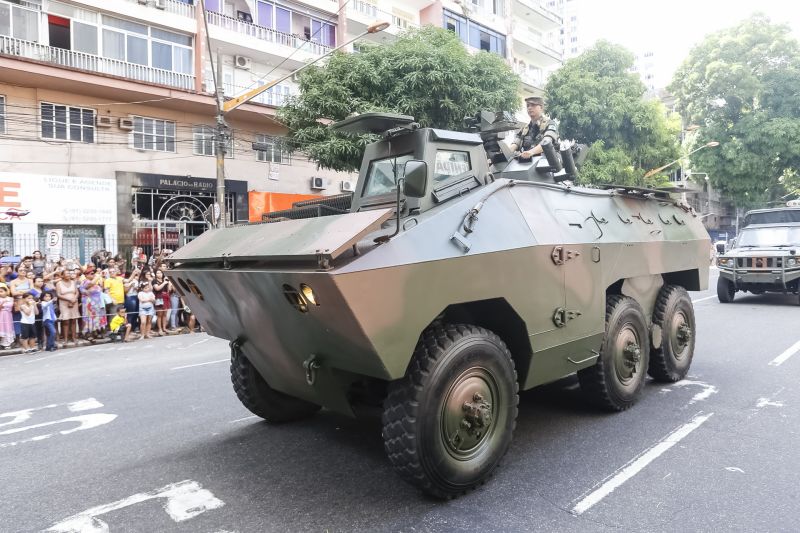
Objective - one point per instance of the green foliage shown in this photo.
(426, 73)
(741, 84)
(598, 101)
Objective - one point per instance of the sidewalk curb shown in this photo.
(81, 343)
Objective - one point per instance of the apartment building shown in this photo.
(107, 108)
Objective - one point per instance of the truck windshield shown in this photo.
(382, 174)
(774, 236)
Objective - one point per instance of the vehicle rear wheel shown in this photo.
(261, 399)
(616, 380)
(450, 420)
(725, 290)
(674, 314)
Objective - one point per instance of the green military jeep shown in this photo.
(763, 259)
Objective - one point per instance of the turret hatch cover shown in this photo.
(304, 239)
(371, 123)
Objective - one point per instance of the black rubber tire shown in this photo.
(414, 416)
(670, 362)
(261, 399)
(725, 290)
(601, 382)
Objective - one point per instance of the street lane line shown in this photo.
(201, 364)
(637, 464)
(704, 299)
(785, 355)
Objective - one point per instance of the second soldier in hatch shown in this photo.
(528, 139)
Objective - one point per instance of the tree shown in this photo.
(600, 102)
(426, 73)
(741, 85)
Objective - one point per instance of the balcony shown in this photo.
(11, 46)
(275, 96)
(534, 13)
(529, 47)
(241, 30)
(170, 6)
(361, 14)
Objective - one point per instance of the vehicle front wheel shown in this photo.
(616, 380)
(725, 290)
(674, 315)
(261, 399)
(450, 419)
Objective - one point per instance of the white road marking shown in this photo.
(201, 341)
(184, 500)
(84, 405)
(707, 391)
(17, 417)
(202, 364)
(734, 469)
(636, 465)
(703, 299)
(764, 402)
(243, 419)
(786, 355)
(84, 421)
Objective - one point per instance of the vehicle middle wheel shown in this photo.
(450, 420)
(674, 314)
(726, 290)
(616, 380)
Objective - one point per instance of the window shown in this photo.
(273, 150)
(450, 163)
(474, 34)
(153, 134)
(67, 123)
(204, 143)
(20, 22)
(2, 114)
(143, 45)
(382, 172)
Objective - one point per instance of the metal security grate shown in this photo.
(759, 262)
(318, 207)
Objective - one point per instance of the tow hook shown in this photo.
(311, 365)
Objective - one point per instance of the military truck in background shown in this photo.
(764, 256)
(458, 276)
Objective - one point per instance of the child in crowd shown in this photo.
(120, 323)
(6, 318)
(27, 309)
(49, 319)
(147, 308)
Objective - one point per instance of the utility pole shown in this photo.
(220, 215)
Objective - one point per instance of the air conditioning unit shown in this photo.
(143, 2)
(318, 184)
(242, 62)
(161, 4)
(126, 124)
(103, 121)
(348, 186)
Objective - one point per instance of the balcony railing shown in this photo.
(365, 8)
(93, 63)
(274, 96)
(172, 6)
(265, 34)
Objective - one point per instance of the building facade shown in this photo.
(123, 90)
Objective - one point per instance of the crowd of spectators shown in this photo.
(43, 301)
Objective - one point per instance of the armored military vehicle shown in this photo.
(764, 255)
(449, 286)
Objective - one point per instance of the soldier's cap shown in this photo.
(536, 100)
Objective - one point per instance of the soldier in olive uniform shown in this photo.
(528, 139)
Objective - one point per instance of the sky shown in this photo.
(670, 28)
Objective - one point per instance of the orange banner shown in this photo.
(267, 202)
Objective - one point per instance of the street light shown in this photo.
(709, 144)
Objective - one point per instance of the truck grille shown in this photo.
(759, 262)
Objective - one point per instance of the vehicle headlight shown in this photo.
(791, 262)
(725, 261)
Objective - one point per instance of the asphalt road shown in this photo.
(149, 436)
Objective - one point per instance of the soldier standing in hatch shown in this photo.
(529, 138)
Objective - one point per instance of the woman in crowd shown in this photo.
(67, 292)
(94, 310)
(163, 304)
(38, 263)
(131, 286)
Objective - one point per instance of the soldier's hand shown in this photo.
(527, 154)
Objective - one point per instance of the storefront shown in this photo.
(159, 211)
(84, 210)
